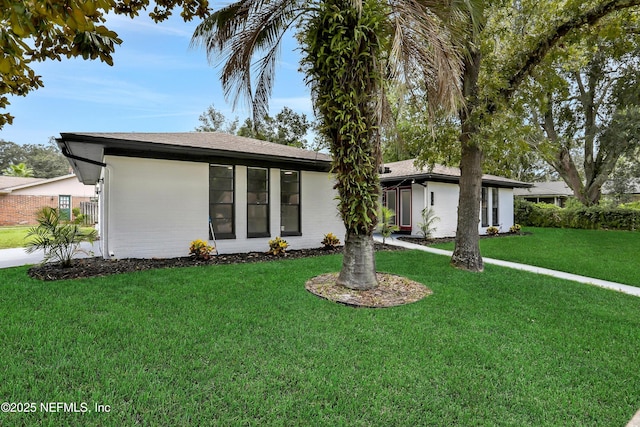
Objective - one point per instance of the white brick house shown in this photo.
(407, 190)
(158, 192)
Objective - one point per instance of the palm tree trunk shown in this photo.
(358, 262)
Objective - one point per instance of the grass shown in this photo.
(13, 236)
(602, 254)
(247, 345)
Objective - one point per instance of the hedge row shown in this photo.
(546, 215)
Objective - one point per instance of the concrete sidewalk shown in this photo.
(631, 290)
(17, 256)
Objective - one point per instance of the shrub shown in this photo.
(429, 218)
(386, 227)
(493, 231)
(330, 241)
(577, 216)
(200, 249)
(515, 229)
(278, 246)
(60, 241)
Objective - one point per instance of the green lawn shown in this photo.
(247, 345)
(13, 237)
(603, 254)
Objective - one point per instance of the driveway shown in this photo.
(17, 256)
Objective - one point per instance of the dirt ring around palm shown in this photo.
(392, 291)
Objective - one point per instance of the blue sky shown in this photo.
(157, 84)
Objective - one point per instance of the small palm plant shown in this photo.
(387, 223)
(427, 226)
(59, 240)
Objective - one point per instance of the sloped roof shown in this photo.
(407, 169)
(195, 146)
(33, 182)
(549, 189)
(16, 181)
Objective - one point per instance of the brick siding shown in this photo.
(22, 210)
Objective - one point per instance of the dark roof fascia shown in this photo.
(421, 178)
(150, 150)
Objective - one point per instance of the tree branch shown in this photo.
(532, 58)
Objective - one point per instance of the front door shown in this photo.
(64, 206)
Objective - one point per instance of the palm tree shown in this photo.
(352, 50)
(21, 170)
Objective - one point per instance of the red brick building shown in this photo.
(22, 198)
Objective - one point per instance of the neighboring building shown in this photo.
(22, 198)
(407, 190)
(159, 191)
(554, 193)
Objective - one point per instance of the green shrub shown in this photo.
(59, 240)
(278, 246)
(577, 216)
(200, 249)
(330, 241)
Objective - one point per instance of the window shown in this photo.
(391, 203)
(257, 202)
(289, 203)
(485, 207)
(405, 207)
(494, 207)
(221, 201)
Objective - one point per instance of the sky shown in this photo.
(157, 84)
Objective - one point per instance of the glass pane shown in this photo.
(221, 171)
(217, 196)
(405, 199)
(289, 218)
(289, 182)
(485, 207)
(494, 206)
(258, 219)
(257, 180)
(222, 218)
(257, 198)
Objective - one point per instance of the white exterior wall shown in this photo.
(445, 207)
(505, 210)
(68, 186)
(156, 208)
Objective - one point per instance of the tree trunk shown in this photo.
(358, 262)
(466, 254)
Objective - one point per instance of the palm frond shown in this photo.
(426, 42)
(234, 35)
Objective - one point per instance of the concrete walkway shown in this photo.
(631, 290)
(17, 256)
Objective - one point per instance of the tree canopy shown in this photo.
(45, 161)
(287, 127)
(50, 30)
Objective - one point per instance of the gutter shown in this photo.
(67, 153)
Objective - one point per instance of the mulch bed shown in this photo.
(392, 291)
(93, 267)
